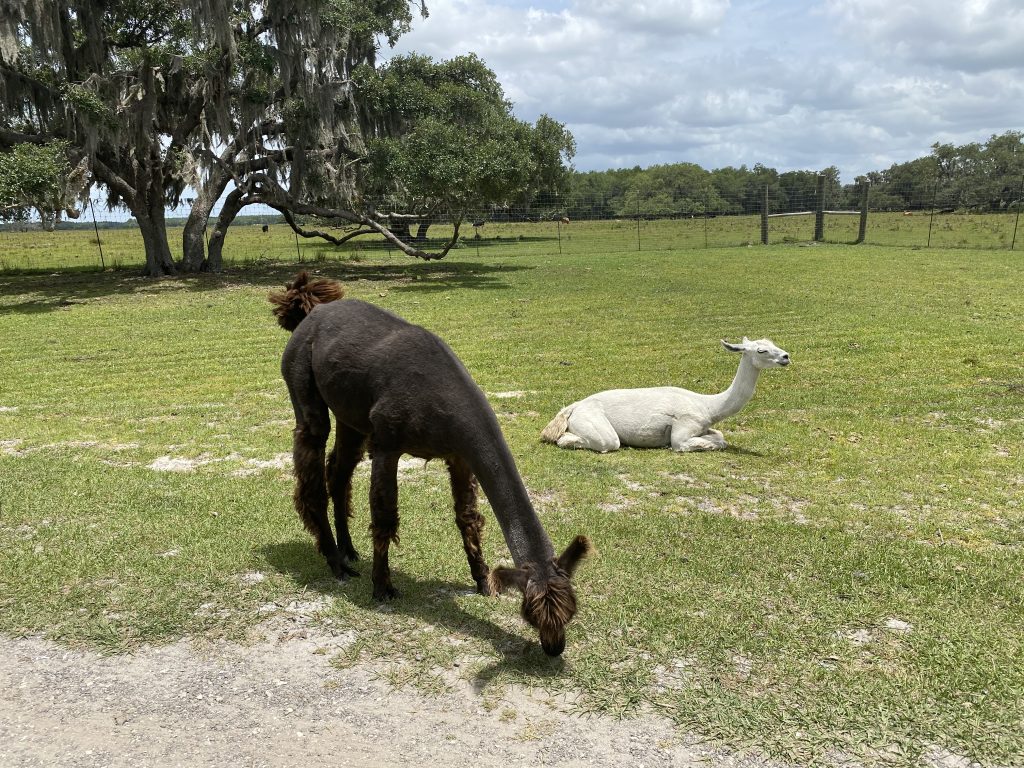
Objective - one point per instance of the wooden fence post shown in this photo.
(764, 218)
(1020, 202)
(931, 217)
(819, 211)
(865, 186)
(638, 220)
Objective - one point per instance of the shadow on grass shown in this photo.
(35, 293)
(430, 601)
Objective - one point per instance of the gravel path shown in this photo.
(279, 702)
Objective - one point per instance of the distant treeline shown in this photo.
(84, 222)
(977, 177)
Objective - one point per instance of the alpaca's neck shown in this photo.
(495, 468)
(732, 400)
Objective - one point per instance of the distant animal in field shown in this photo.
(658, 417)
(266, 227)
(396, 388)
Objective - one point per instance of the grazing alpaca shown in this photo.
(662, 416)
(396, 388)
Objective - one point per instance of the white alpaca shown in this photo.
(662, 416)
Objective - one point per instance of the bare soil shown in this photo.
(280, 702)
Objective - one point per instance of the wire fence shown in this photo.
(924, 214)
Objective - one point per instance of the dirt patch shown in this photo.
(280, 702)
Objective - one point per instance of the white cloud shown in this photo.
(859, 84)
(960, 35)
(659, 17)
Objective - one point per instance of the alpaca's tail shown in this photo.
(300, 296)
(557, 426)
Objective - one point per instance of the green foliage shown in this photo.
(976, 177)
(88, 104)
(449, 141)
(366, 20)
(34, 177)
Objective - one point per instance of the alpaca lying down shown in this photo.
(656, 417)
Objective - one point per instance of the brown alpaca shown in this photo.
(396, 388)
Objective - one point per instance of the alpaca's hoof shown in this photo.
(386, 592)
(341, 570)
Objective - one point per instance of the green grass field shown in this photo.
(845, 579)
(248, 245)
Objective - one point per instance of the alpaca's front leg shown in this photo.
(470, 521)
(383, 519)
(688, 436)
(311, 494)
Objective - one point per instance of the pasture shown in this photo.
(248, 245)
(844, 580)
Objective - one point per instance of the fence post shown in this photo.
(1020, 202)
(931, 216)
(96, 229)
(638, 221)
(706, 218)
(819, 210)
(862, 231)
(764, 217)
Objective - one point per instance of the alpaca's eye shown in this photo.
(761, 351)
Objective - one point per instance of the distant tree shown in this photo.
(760, 178)
(124, 83)
(679, 189)
(299, 123)
(446, 143)
(910, 186)
(599, 194)
(731, 184)
(40, 178)
(163, 96)
(1001, 170)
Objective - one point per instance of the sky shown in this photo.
(858, 84)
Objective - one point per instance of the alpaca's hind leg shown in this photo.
(588, 427)
(469, 520)
(383, 518)
(308, 444)
(348, 450)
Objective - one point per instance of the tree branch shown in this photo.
(13, 138)
(311, 233)
(278, 199)
(107, 175)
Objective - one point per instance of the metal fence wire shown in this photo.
(937, 214)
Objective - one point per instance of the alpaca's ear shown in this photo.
(501, 579)
(574, 553)
(732, 347)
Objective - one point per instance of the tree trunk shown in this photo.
(194, 255)
(193, 241)
(232, 205)
(421, 231)
(159, 261)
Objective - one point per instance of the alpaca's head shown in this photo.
(300, 296)
(762, 353)
(549, 602)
